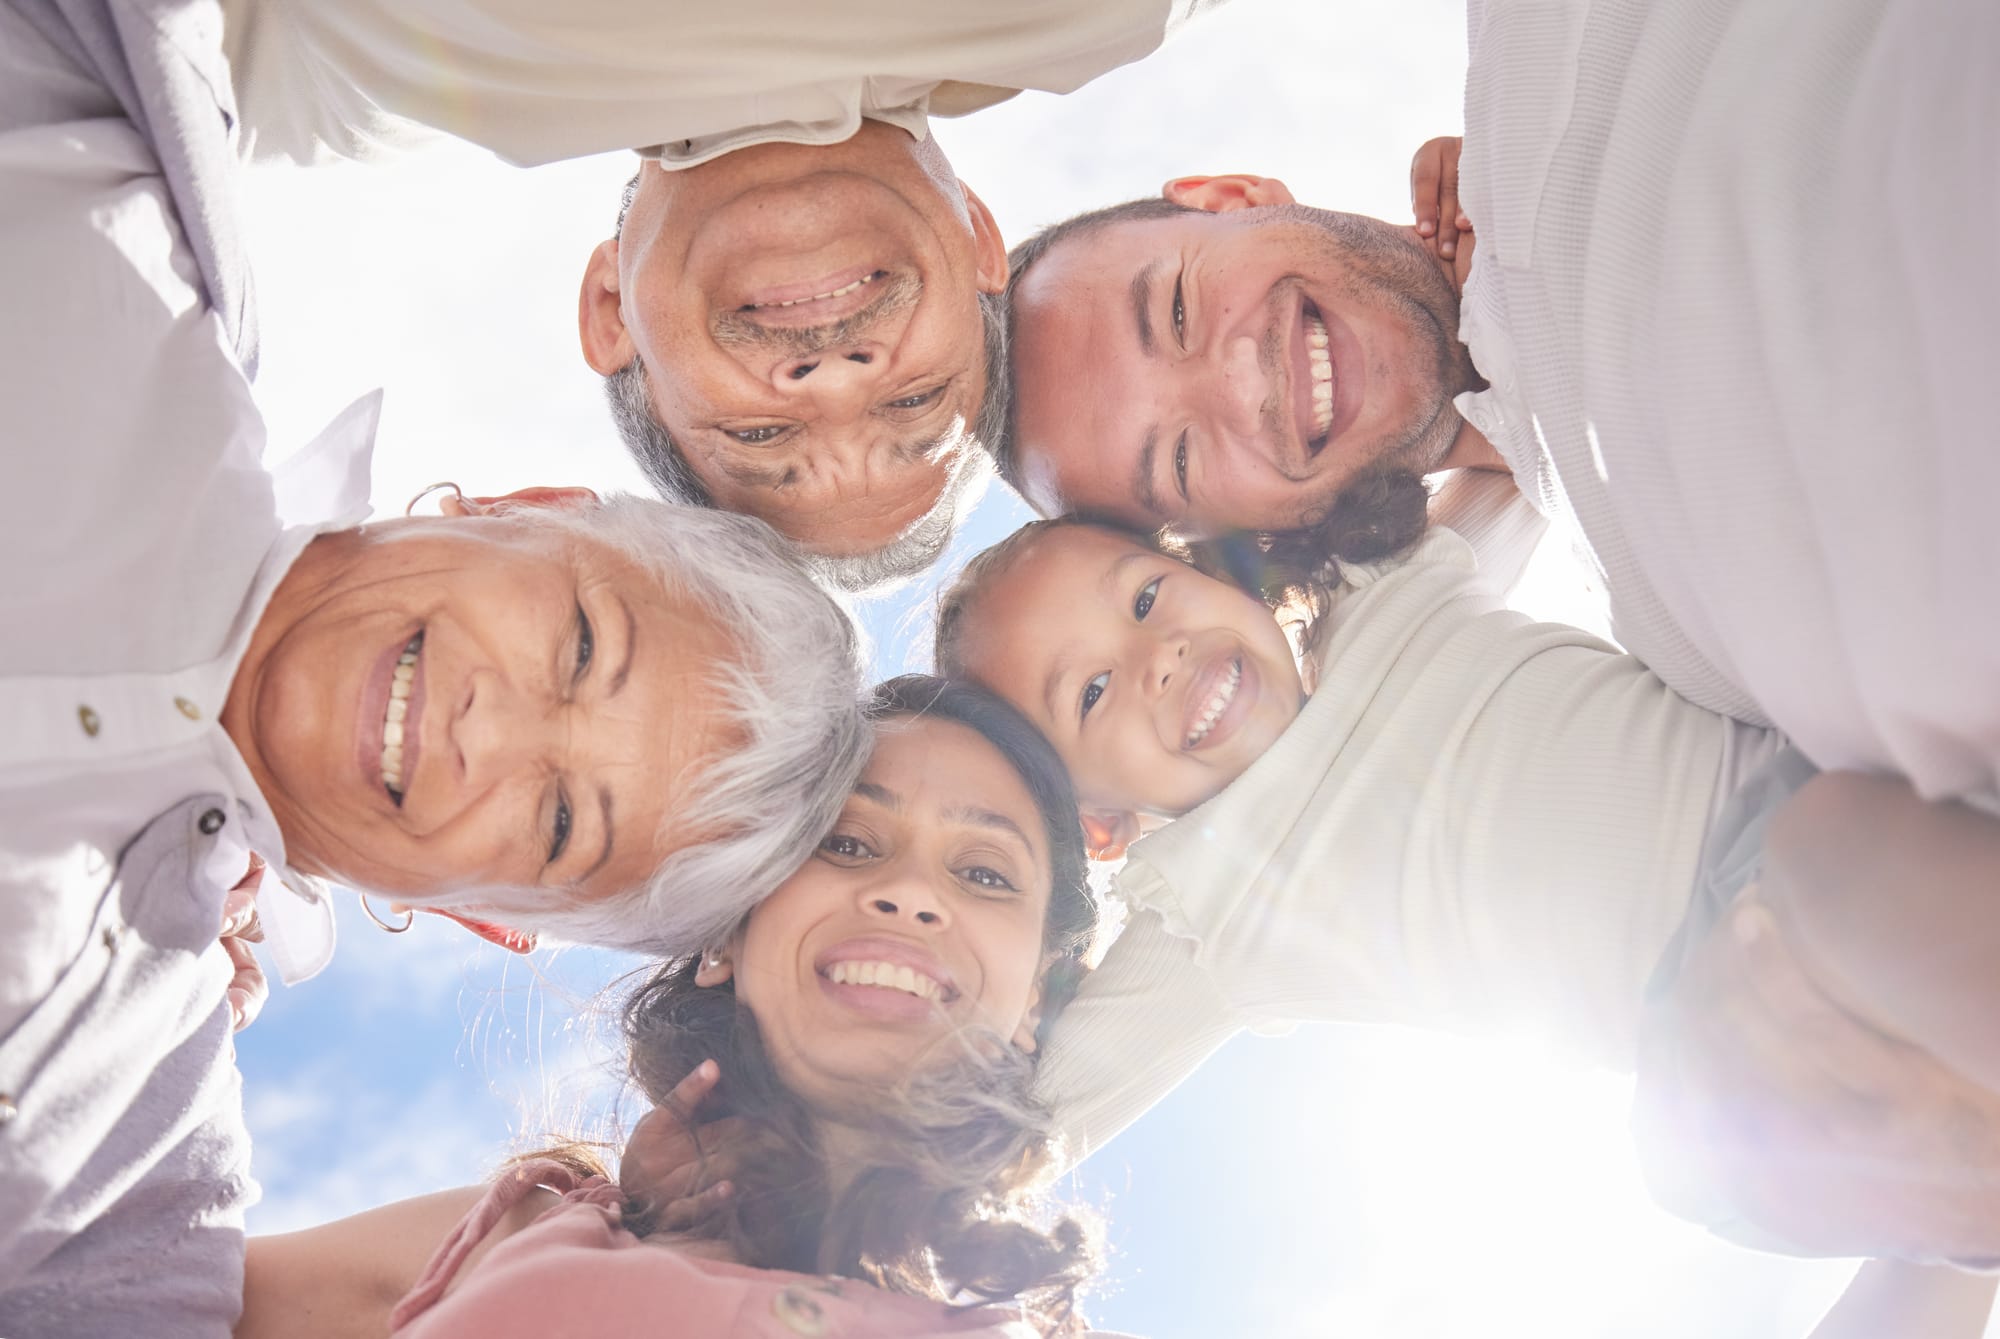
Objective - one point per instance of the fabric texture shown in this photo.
(144, 536)
(1730, 341)
(1478, 823)
(683, 81)
(576, 1271)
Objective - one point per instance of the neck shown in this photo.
(1471, 451)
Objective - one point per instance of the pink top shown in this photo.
(575, 1272)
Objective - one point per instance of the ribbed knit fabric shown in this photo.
(1733, 336)
(1478, 823)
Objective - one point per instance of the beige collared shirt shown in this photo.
(681, 80)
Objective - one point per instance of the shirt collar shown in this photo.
(912, 116)
(321, 488)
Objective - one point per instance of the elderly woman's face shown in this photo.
(445, 704)
(921, 912)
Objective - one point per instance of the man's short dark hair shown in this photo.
(1019, 261)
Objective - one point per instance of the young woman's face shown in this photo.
(921, 913)
(1156, 684)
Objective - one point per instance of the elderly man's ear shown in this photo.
(1219, 195)
(541, 495)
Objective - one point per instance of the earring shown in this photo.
(411, 510)
(713, 958)
(409, 916)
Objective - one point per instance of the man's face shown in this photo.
(809, 324)
(1231, 370)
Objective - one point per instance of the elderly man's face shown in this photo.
(1216, 370)
(453, 703)
(809, 324)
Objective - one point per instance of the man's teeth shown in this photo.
(392, 719)
(1320, 361)
(1218, 701)
(840, 292)
(886, 976)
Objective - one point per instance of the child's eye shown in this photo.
(1092, 691)
(844, 846)
(1148, 593)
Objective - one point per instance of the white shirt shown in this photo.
(1478, 823)
(142, 536)
(679, 80)
(1734, 338)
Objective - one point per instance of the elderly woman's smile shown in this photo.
(435, 706)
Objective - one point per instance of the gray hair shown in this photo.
(910, 553)
(792, 692)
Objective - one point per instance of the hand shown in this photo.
(240, 929)
(1434, 196)
(1758, 1092)
(677, 1167)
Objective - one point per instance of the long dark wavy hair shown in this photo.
(946, 1203)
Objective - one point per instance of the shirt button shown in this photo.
(188, 709)
(210, 822)
(88, 718)
(801, 1314)
(7, 1110)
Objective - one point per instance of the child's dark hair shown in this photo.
(944, 1205)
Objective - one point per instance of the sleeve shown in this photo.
(1143, 1022)
(507, 1190)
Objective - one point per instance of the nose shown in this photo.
(838, 380)
(1239, 387)
(498, 731)
(907, 898)
(1165, 656)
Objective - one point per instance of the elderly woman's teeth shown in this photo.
(400, 684)
(1320, 362)
(886, 976)
(1218, 702)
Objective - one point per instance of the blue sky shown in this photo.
(1359, 1182)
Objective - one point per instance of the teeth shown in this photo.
(400, 684)
(1320, 362)
(840, 292)
(885, 976)
(1218, 702)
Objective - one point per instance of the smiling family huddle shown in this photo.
(1701, 308)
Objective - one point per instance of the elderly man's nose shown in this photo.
(848, 367)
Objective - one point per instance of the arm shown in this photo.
(1145, 1019)
(341, 1280)
(1887, 1297)
(1889, 901)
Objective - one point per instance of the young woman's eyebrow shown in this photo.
(986, 818)
(882, 795)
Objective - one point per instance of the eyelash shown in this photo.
(756, 436)
(1001, 883)
(862, 849)
(1180, 313)
(1142, 605)
(1180, 464)
(919, 400)
(564, 819)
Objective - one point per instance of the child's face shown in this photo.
(1156, 684)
